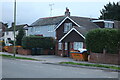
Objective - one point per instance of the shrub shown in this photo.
(21, 34)
(30, 42)
(99, 39)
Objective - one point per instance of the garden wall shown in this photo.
(105, 58)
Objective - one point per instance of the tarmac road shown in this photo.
(12, 68)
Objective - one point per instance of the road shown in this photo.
(12, 68)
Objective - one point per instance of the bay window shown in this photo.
(78, 45)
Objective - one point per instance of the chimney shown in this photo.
(67, 13)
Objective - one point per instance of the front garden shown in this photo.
(31, 45)
(104, 45)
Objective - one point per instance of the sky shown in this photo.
(28, 11)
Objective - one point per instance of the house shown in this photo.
(3, 27)
(9, 33)
(69, 31)
(107, 23)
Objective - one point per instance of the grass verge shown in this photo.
(24, 58)
(92, 65)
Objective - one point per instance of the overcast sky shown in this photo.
(29, 11)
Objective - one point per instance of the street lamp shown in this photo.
(14, 27)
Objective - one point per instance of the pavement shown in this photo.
(53, 59)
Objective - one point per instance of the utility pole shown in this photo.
(51, 8)
(14, 27)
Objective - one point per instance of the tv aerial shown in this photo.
(51, 8)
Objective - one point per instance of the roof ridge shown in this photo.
(52, 17)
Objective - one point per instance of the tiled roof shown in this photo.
(17, 27)
(85, 23)
(48, 21)
(57, 19)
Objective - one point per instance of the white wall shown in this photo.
(46, 31)
(10, 34)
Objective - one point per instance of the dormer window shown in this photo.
(108, 25)
(67, 27)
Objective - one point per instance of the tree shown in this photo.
(111, 11)
(21, 34)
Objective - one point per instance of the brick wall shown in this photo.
(24, 51)
(104, 58)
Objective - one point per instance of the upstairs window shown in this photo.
(67, 27)
(50, 28)
(108, 25)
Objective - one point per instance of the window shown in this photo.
(50, 29)
(67, 27)
(108, 25)
(78, 45)
(60, 46)
(66, 46)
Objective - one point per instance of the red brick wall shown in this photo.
(104, 58)
(48, 52)
(24, 51)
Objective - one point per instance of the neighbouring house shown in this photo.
(69, 31)
(3, 27)
(9, 33)
(107, 23)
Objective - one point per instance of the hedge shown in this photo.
(30, 42)
(99, 39)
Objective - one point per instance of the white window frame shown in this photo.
(59, 46)
(108, 25)
(67, 27)
(78, 45)
(66, 46)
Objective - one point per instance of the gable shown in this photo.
(72, 35)
(60, 30)
(64, 21)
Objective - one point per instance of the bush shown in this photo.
(30, 42)
(21, 34)
(99, 39)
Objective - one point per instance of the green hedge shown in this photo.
(99, 39)
(30, 42)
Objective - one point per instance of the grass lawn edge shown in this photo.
(92, 65)
(24, 58)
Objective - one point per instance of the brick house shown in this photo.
(68, 31)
